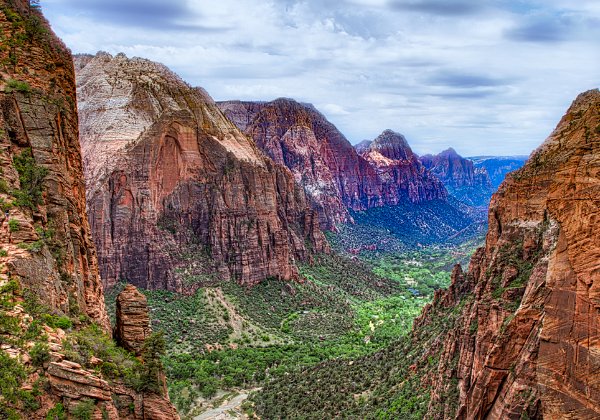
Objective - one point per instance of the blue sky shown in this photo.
(483, 76)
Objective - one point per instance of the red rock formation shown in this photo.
(469, 184)
(48, 259)
(402, 174)
(334, 176)
(51, 251)
(132, 324)
(176, 191)
(526, 343)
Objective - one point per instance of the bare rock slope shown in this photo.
(175, 191)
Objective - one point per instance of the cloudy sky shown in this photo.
(483, 76)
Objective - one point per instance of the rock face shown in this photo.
(47, 258)
(132, 324)
(175, 191)
(49, 247)
(467, 183)
(526, 344)
(403, 176)
(334, 176)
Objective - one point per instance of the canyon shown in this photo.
(514, 336)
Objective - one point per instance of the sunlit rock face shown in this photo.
(526, 342)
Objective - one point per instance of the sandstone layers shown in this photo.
(175, 191)
(48, 262)
(38, 113)
(526, 344)
(334, 176)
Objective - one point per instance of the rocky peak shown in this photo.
(392, 145)
(362, 146)
(176, 193)
(132, 324)
(335, 176)
(463, 180)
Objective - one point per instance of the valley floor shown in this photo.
(226, 338)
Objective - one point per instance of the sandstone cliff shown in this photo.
(43, 227)
(335, 177)
(467, 183)
(176, 191)
(56, 354)
(526, 343)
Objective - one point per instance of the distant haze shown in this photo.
(487, 77)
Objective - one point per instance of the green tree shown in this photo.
(154, 347)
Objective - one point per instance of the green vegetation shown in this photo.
(13, 225)
(342, 310)
(40, 354)
(31, 177)
(57, 413)
(13, 85)
(383, 384)
(84, 409)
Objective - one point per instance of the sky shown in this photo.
(487, 77)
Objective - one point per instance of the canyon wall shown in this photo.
(526, 343)
(177, 195)
(334, 176)
(56, 354)
(44, 231)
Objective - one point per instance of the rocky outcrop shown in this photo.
(132, 324)
(176, 193)
(334, 176)
(525, 345)
(402, 175)
(469, 184)
(44, 232)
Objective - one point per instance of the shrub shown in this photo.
(57, 413)
(84, 409)
(31, 177)
(3, 253)
(13, 225)
(18, 86)
(40, 354)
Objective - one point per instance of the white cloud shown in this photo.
(486, 70)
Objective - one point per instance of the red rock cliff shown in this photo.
(526, 344)
(48, 266)
(48, 247)
(402, 174)
(334, 176)
(176, 191)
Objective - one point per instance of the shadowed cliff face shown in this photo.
(47, 242)
(534, 289)
(175, 191)
(463, 180)
(334, 176)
